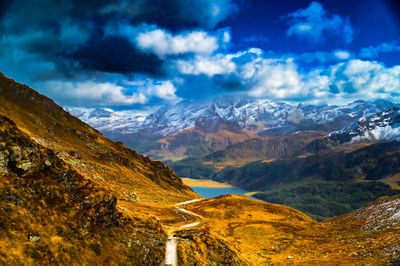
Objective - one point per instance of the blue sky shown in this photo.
(140, 54)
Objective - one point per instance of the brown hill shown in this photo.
(110, 164)
(271, 234)
(51, 214)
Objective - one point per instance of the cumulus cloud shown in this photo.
(87, 93)
(163, 43)
(279, 78)
(262, 77)
(364, 79)
(71, 33)
(323, 57)
(342, 54)
(314, 23)
(210, 66)
(103, 93)
(163, 89)
(374, 51)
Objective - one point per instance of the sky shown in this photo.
(140, 54)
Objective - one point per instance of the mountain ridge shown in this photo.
(197, 128)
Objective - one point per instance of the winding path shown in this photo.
(171, 244)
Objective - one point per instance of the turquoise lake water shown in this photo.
(211, 192)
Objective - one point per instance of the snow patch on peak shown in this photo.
(248, 113)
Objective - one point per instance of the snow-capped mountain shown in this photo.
(384, 125)
(251, 114)
(107, 119)
(193, 128)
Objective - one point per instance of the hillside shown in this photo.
(270, 234)
(107, 163)
(324, 184)
(239, 154)
(51, 214)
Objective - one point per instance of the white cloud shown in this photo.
(282, 79)
(374, 51)
(163, 43)
(210, 66)
(273, 78)
(314, 23)
(342, 54)
(319, 56)
(365, 79)
(97, 93)
(163, 89)
(91, 93)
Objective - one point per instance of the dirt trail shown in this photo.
(171, 244)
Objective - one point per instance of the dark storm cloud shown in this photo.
(70, 33)
(117, 56)
(181, 14)
(169, 14)
(4, 5)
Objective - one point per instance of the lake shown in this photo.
(211, 189)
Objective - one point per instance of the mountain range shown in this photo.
(194, 128)
(270, 147)
(69, 195)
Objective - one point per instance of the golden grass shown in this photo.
(275, 234)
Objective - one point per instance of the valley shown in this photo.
(69, 195)
(303, 156)
(199, 133)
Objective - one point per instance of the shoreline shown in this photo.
(191, 182)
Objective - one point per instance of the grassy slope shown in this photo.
(51, 214)
(107, 163)
(269, 233)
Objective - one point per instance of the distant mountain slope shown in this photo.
(244, 152)
(324, 184)
(383, 125)
(373, 162)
